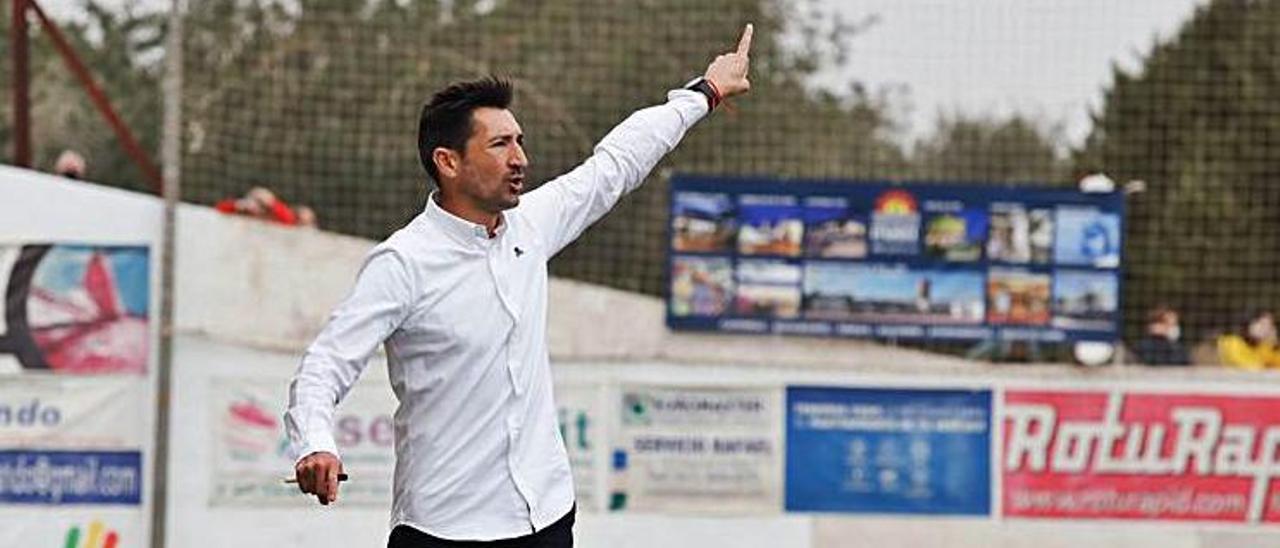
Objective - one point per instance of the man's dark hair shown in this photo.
(1158, 313)
(446, 119)
(1246, 319)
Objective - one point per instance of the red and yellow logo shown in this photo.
(96, 536)
(896, 202)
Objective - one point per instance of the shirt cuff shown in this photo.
(691, 105)
(315, 446)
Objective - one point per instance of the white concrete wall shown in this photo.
(259, 284)
(198, 360)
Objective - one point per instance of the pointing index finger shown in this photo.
(744, 44)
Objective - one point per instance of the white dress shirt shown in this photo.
(463, 317)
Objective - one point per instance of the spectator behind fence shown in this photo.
(70, 164)
(1162, 342)
(307, 217)
(1251, 344)
(263, 204)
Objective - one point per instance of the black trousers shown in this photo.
(556, 535)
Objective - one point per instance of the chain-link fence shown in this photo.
(318, 100)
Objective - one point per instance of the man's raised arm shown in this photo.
(568, 204)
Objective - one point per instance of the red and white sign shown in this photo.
(1097, 454)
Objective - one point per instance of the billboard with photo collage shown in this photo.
(900, 261)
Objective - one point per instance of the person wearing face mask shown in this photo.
(1162, 342)
(1252, 345)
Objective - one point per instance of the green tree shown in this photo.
(121, 48)
(976, 149)
(1199, 122)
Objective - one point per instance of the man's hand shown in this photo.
(317, 474)
(728, 73)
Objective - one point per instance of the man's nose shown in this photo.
(518, 158)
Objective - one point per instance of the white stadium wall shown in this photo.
(250, 295)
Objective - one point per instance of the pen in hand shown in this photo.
(341, 477)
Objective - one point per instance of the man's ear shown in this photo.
(448, 162)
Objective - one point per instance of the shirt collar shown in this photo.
(462, 229)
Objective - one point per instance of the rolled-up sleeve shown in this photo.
(565, 206)
(378, 304)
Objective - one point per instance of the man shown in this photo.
(1252, 344)
(70, 164)
(458, 297)
(263, 204)
(1162, 343)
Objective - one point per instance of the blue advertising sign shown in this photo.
(898, 451)
(71, 477)
(941, 262)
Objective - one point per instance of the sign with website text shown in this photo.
(922, 261)
(71, 440)
(1136, 455)
(73, 464)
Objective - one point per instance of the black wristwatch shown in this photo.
(707, 89)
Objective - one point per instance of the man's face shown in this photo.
(1263, 329)
(1167, 326)
(492, 170)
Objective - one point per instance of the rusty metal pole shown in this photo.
(21, 59)
(99, 98)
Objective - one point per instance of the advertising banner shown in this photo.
(71, 456)
(1132, 455)
(73, 527)
(76, 309)
(697, 449)
(72, 412)
(874, 450)
(924, 261)
(581, 410)
(250, 447)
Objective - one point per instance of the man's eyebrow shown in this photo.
(505, 136)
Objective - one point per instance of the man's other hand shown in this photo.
(317, 475)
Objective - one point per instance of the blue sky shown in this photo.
(1071, 284)
(755, 214)
(706, 203)
(815, 214)
(975, 224)
(880, 283)
(63, 270)
(1074, 224)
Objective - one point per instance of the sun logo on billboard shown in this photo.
(896, 202)
(96, 536)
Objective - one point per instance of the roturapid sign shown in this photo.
(1094, 454)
